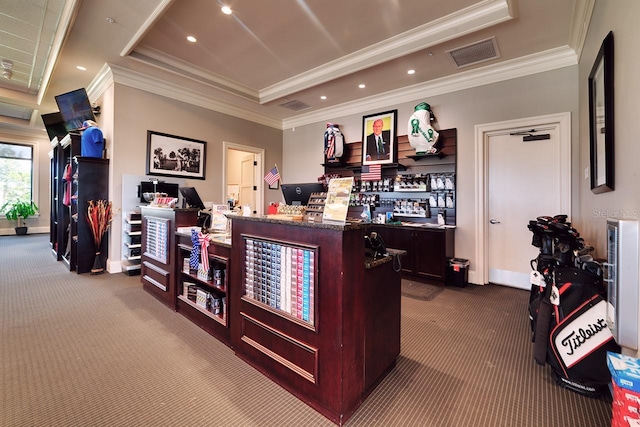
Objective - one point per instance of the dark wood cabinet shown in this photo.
(417, 188)
(61, 166)
(75, 180)
(205, 300)
(158, 259)
(428, 249)
(55, 171)
(348, 337)
(90, 182)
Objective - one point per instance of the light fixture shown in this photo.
(192, 39)
(226, 10)
(81, 68)
(323, 97)
(7, 66)
(362, 85)
(411, 72)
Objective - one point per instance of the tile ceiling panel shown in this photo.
(15, 111)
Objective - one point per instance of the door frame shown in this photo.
(259, 158)
(482, 134)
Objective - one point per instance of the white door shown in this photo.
(524, 181)
(247, 182)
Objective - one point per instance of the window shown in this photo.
(16, 172)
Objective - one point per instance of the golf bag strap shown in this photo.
(543, 324)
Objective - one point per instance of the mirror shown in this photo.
(601, 126)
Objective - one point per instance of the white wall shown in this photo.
(540, 94)
(621, 17)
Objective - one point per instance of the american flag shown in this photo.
(371, 172)
(331, 146)
(273, 176)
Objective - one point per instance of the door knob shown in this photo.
(494, 221)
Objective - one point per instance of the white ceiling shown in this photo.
(272, 52)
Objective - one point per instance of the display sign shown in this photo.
(337, 202)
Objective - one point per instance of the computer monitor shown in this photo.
(298, 194)
(171, 190)
(191, 197)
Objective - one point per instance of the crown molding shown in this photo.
(176, 66)
(162, 7)
(520, 67)
(580, 25)
(100, 83)
(177, 92)
(476, 17)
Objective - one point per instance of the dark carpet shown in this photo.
(82, 350)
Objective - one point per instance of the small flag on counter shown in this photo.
(273, 176)
(371, 172)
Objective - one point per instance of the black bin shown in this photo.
(457, 272)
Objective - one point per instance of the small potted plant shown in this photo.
(19, 211)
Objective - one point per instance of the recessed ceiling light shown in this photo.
(81, 68)
(226, 10)
(362, 85)
(411, 71)
(192, 39)
(323, 97)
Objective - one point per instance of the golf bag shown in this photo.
(567, 308)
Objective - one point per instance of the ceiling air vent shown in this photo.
(474, 53)
(295, 105)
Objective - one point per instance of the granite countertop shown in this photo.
(319, 225)
(340, 227)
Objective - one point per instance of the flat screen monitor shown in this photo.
(54, 124)
(75, 108)
(190, 195)
(171, 190)
(298, 194)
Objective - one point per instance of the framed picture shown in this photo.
(171, 155)
(379, 138)
(601, 121)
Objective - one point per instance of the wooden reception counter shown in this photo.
(311, 313)
(158, 262)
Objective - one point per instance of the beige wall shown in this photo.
(136, 111)
(42, 147)
(299, 150)
(619, 16)
(540, 94)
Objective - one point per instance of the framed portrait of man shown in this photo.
(379, 138)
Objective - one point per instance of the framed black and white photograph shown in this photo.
(379, 138)
(171, 155)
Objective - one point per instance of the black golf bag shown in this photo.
(567, 308)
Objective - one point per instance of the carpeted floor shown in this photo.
(82, 350)
(420, 291)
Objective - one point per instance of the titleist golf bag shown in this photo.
(567, 308)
